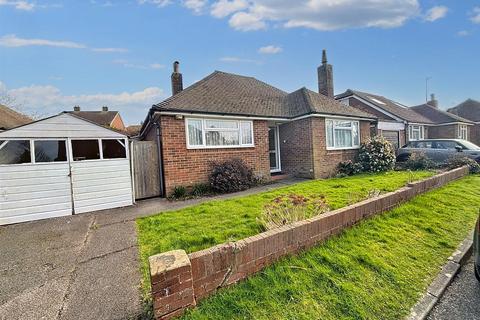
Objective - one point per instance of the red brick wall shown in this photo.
(117, 123)
(186, 167)
(325, 161)
(296, 148)
(203, 272)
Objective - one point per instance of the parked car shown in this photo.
(439, 150)
(476, 248)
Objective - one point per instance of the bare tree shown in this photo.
(11, 102)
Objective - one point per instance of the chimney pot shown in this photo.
(433, 101)
(177, 80)
(325, 77)
(76, 108)
(104, 108)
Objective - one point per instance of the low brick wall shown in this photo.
(179, 285)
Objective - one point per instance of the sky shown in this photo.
(56, 54)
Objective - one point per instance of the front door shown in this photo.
(274, 149)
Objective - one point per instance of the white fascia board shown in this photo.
(332, 116)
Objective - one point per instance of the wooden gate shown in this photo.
(145, 169)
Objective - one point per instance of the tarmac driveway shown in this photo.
(79, 267)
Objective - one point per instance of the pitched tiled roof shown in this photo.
(438, 116)
(469, 109)
(390, 106)
(10, 118)
(103, 118)
(226, 93)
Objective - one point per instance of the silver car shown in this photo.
(439, 150)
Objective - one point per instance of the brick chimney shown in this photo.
(177, 81)
(76, 108)
(104, 108)
(325, 77)
(433, 101)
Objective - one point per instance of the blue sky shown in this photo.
(55, 54)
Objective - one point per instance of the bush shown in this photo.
(348, 168)
(230, 176)
(284, 210)
(179, 192)
(201, 189)
(376, 155)
(419, 161)
(459, 160)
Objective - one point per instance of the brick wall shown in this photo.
(296, 148)
(117, 123)
(326, 161)
(475, 134)
(443, 132)
(186, 167)
(179, 283)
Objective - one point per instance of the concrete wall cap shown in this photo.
(168, 261)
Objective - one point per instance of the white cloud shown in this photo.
(476, 15)
(19, 5)
(463, 33)
(158, 3)
(246, 21)
(13, 41)
(157, 66)
(223, 8)
(321, 15)
(127, 64)
(195, 5)
(271, 49)
(436, 13)
(109, 50)
(48, 100)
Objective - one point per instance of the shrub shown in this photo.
(230, 176)
(179, 192)
(348, 168)
(419, 161)
(284, 210)
(376, 155)
(460, 160)
(201, 189)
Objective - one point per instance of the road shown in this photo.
(462, 298)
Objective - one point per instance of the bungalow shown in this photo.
(104, 117)
(225, 116)
(470, 109)
(10, 118)
(446, 125)
(396, 122)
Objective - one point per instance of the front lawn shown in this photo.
(376, 270)
(205, 225)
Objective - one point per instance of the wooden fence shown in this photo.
(145, 169)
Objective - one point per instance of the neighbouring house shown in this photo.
(133, 130)
(445, 125)
(226, 116)
(62, 165)
(396, 122)
(105, 117)
(470, 109)
(10, 118)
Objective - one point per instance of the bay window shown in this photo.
(462, 132)
(416, 132)
(218, 133)
(342, 134)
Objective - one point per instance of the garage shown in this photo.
(60, 166)
(393, 137)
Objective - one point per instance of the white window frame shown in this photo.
(205, 129)
(463, 131)
(343, 128)
(416, 128)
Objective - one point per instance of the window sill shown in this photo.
(340, 149)
(219, 147)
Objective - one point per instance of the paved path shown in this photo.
(461, 299)
(79, 267)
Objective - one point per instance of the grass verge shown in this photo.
(205, 225)
(376, 270)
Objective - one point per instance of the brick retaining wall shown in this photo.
(179, 280)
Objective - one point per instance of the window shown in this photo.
(462, 132)
(15, 152)
(342, 134)
(50, 151)
(345, 102)
(451, 145)
(114, 149)
(85, 150)
(416, 132)
(217, 133)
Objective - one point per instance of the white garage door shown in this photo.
(34, 185)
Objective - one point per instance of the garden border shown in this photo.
(179, 281)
